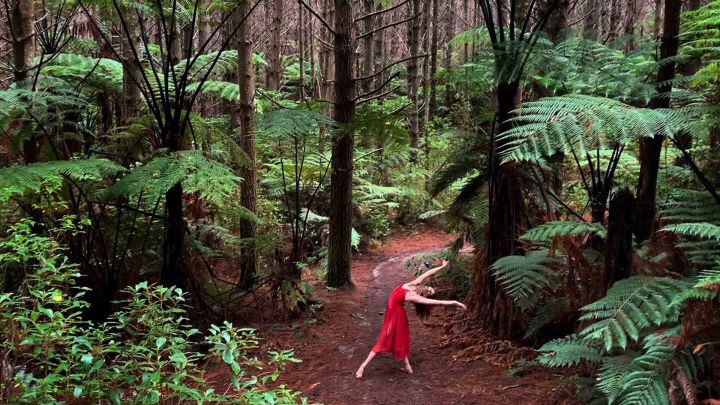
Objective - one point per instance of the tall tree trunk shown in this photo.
(657, 21)
(274, 68)
(245, 114)
(340, 249)
(412, 76)
(449, 31)
(613, 22)
(592, 19)
(130, 97)
(558, 20)
(434, 57)
(650, 148)
(22, 19)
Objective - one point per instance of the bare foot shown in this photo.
(359, 373)
(408, 369)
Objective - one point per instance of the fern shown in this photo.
(524, 277)
(568, 351)
(151, 180)
(698, 230)
(646, 381)
(549, 230)
(630, 306)
(18, 180)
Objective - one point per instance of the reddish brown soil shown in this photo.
(335, 344)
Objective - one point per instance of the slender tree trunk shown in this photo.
(449, 31)
(650, 148)
(245, 114)
(412, 75)
(130, 97)
(592, 19)
(434, 57)
(274, 68)
(613, 22)
(657, 21)
(558, 20)
(21, 20)
(340, 249)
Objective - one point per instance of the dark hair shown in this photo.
(423, 310)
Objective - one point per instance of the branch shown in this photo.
(370, 76)
(375, 90)
(384, 27)
(318, 16)
(373, 14)
(383, 94)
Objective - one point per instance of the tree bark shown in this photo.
(21, 19)
(274, 68)
(340, 249)
(245, 115)
(490, 302)
(130, 97)
(558, 20)
(592, 19)
(434, 57)
(449, 31)
(412, 77)
(650, 148)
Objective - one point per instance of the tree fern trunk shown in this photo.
(173, 269)
(340, 249)
(490, 303)
(650, 148)
(619, 248)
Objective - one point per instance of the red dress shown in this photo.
(395, 333)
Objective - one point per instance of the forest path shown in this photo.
(334, 345)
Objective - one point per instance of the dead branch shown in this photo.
(318, 16)
(373, 14)
(384, 27)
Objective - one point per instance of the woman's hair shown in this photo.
(422, 310)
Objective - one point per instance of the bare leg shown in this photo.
(361, 369)
(408, 369)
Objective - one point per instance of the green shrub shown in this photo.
(147, 352)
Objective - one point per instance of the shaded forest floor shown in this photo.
(338, 338)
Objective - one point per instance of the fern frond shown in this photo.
(549, 230)
(698, 230)
(630, 306)
(524, 277)
(568, 351)
(17, 180)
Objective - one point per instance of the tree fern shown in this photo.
(524, 277)
(576, 124)
(545, 232)
(151, 180)
(630, 306)
(17, 180)
(702, 230)
(568, 351)
(646, 381)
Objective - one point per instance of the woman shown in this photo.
(395, 333)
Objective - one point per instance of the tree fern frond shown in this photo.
(698, 230)
(568, 351)
(549, 230)
(17, 180)
(631, 305)
(523, 277)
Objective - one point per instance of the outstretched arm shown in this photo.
(428, 274)
(413, 297)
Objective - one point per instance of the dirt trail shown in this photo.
(335, 344)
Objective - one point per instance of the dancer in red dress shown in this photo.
(395, 333)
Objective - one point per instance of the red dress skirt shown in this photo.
(395, 333)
